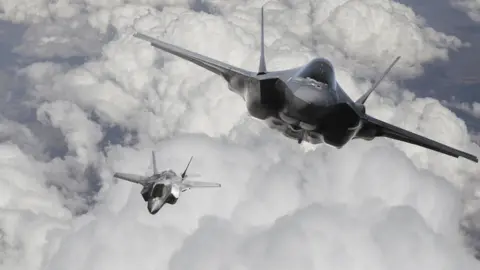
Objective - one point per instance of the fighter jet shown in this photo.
(164, 187)
(305, 103)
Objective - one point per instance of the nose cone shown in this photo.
(154, 205)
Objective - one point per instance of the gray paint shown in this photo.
(305, 103)
(163, 187)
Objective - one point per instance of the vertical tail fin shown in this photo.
(184, 174)
(262, 69)
(154, 163)
(365, 96)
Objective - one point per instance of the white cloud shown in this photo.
(428, 117)
(320, 237)
(21, 136)
(471, 7)
(375, 204)
(81, 134)
(63, 37)
(29, 212)
(473, 109)
(363, 34)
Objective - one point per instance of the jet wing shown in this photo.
(138, 179)
(383, 129)
(220, 68)
(198, 184)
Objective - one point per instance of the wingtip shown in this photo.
(141, 36)
(138, 35)
(470, 157)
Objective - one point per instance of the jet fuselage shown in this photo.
(161, 189)
(303, 104)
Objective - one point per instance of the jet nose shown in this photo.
(154, 205)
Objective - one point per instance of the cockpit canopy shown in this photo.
(158, 190)
(168, 174)
(319, 70)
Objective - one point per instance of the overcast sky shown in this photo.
(80, 99)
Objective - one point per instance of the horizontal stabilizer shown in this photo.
(193, 175)
(134, 178)
(197, 184)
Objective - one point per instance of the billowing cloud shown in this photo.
(472, 109)
(377, 205)
(471, 7)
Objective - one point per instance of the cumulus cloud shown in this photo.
(377, 205)
(471, 108)
(471, 7)
(63, 37)
(373, 42)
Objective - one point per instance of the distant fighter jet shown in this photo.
(164, 187)
(305, 103)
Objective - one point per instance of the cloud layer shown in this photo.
(473, 109)
(471, 7)
(376, 205)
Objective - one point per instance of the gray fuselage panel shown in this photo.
(303, 103)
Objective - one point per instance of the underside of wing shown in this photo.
(198, 184)
(138, 179)
(220, 68)
(378, 128)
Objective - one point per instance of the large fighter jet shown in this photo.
(305, 103)
(164, 187)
